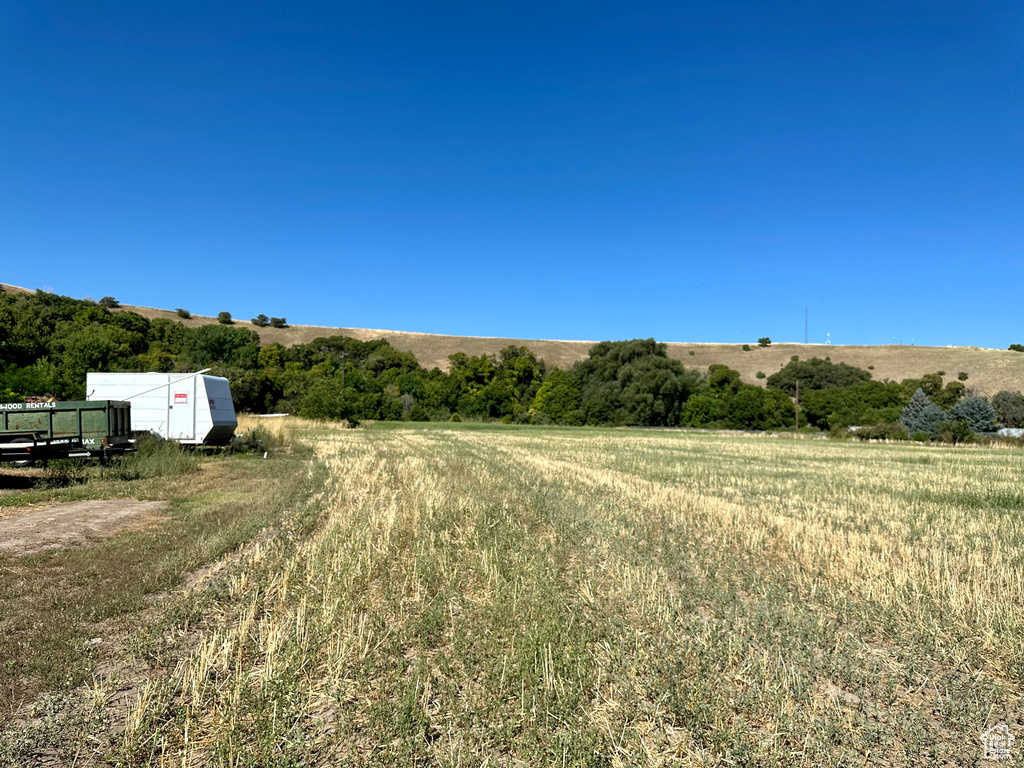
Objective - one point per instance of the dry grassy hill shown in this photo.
(14, 289)
(989, 370)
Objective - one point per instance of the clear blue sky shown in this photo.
(688, 171)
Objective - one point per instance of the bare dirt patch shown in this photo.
(71, 523)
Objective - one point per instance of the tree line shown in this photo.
(49, 342)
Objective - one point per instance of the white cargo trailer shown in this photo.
(193, 409)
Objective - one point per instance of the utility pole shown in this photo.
(798, 407)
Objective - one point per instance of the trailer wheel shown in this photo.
(23, 462)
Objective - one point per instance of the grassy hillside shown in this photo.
(990, 370)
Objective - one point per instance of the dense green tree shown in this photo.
(931, 384)
(559, 401)
(226, 345)
(634, 382)
(704, 410)
(730, 404)
(723, 379)
(1010, 408)
(169, 336)
(85, 348)
(329, 399)
(815, 374)
(870, 403)
(40, 378)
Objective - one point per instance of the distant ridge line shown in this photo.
(989, 370)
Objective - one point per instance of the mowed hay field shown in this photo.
(527, 596)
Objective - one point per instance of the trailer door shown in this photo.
(181, 409)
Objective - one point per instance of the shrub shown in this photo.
(1017, 347)
(154, 457)
(265, 438)
(224, 318)
(953, 431)
(760, 374)
(890, 430)
(261, 321)
(746, 347)
(962, 376)
(183, 313)
(871, 367)
(61, 473)
(109, 302)
(278, 322)
(764, 341)
(692, 352)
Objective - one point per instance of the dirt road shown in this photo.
(70, 523)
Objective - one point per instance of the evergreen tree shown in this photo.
(911, 415)
(929, 419)
(977, 413)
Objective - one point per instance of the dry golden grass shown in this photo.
(528, 596)
(14, 289)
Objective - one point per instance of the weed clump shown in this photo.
(62, 473)
(154, 457)
(265, 437)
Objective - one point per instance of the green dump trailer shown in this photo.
(44, 431)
